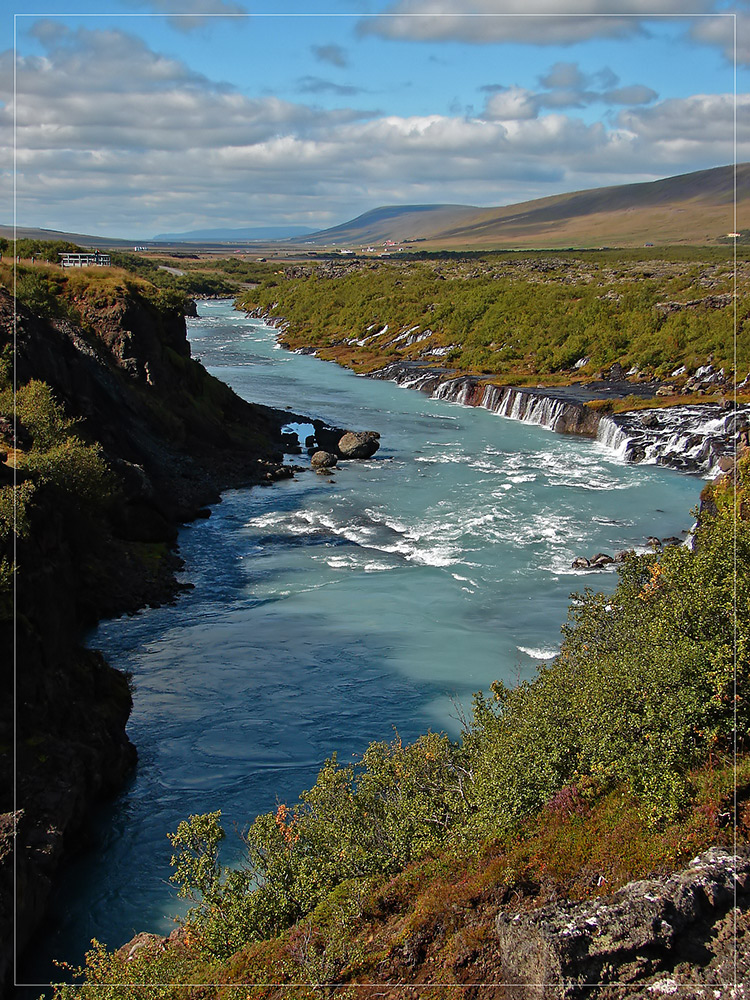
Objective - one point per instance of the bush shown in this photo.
(38, 412)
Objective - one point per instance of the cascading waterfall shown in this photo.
(689, 438)
(515, 404)
(692, 438)
(612, 436)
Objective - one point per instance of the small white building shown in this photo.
(95, 259)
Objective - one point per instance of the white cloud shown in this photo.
(703, 119)
(541, 22)
(567, 87)
(187, 15)
(511, 104)
(117, 139)
(720, 31)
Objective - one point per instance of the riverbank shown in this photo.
(571, 340)
(364, 535)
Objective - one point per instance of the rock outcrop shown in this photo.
(650, 933)
(690, 438)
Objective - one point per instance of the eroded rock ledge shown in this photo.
(652, 938)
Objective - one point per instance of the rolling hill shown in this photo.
(252, 234)
(695, 208)
(689, 208)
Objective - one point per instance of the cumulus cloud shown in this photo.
(568, 87)
(700, 119)
(511, 104)
(118, 139)
(187, 15)
(332, 54)
(720, 31)
(540, 22)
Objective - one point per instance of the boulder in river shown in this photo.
(580, 562)
(600, 560)
(323, 460)
(358, 444)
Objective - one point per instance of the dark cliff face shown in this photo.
(127, 373)
(173, 438)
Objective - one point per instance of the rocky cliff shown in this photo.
(686, 934)
(172, 437)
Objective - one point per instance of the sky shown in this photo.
(139, 117)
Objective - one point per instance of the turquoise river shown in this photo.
(327, 614)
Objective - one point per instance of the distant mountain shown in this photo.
(396, 222)
(235, 235)
(689, 208)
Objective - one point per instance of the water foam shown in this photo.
(538, 654)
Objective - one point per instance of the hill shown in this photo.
(251, 234)
(689, 208)
(399, 223)
(35, 233)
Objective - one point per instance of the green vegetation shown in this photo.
(47, 250)
(51, 292)
(47, 291)
(71, 474)
(516, 316)
(615, 758)
(213, 277)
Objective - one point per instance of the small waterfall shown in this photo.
(543, 410)
(612, 436)
(691, 438)
(457, 390)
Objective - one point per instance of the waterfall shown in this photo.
(457, 390)
(691, 438)
(612, 436)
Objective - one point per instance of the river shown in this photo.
(324, 615)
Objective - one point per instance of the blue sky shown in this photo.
(142, 116)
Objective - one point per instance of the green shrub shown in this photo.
(38, 412)
(75, 469)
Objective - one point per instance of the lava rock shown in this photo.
(630, 936)
(358, 444)
(323, 460)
